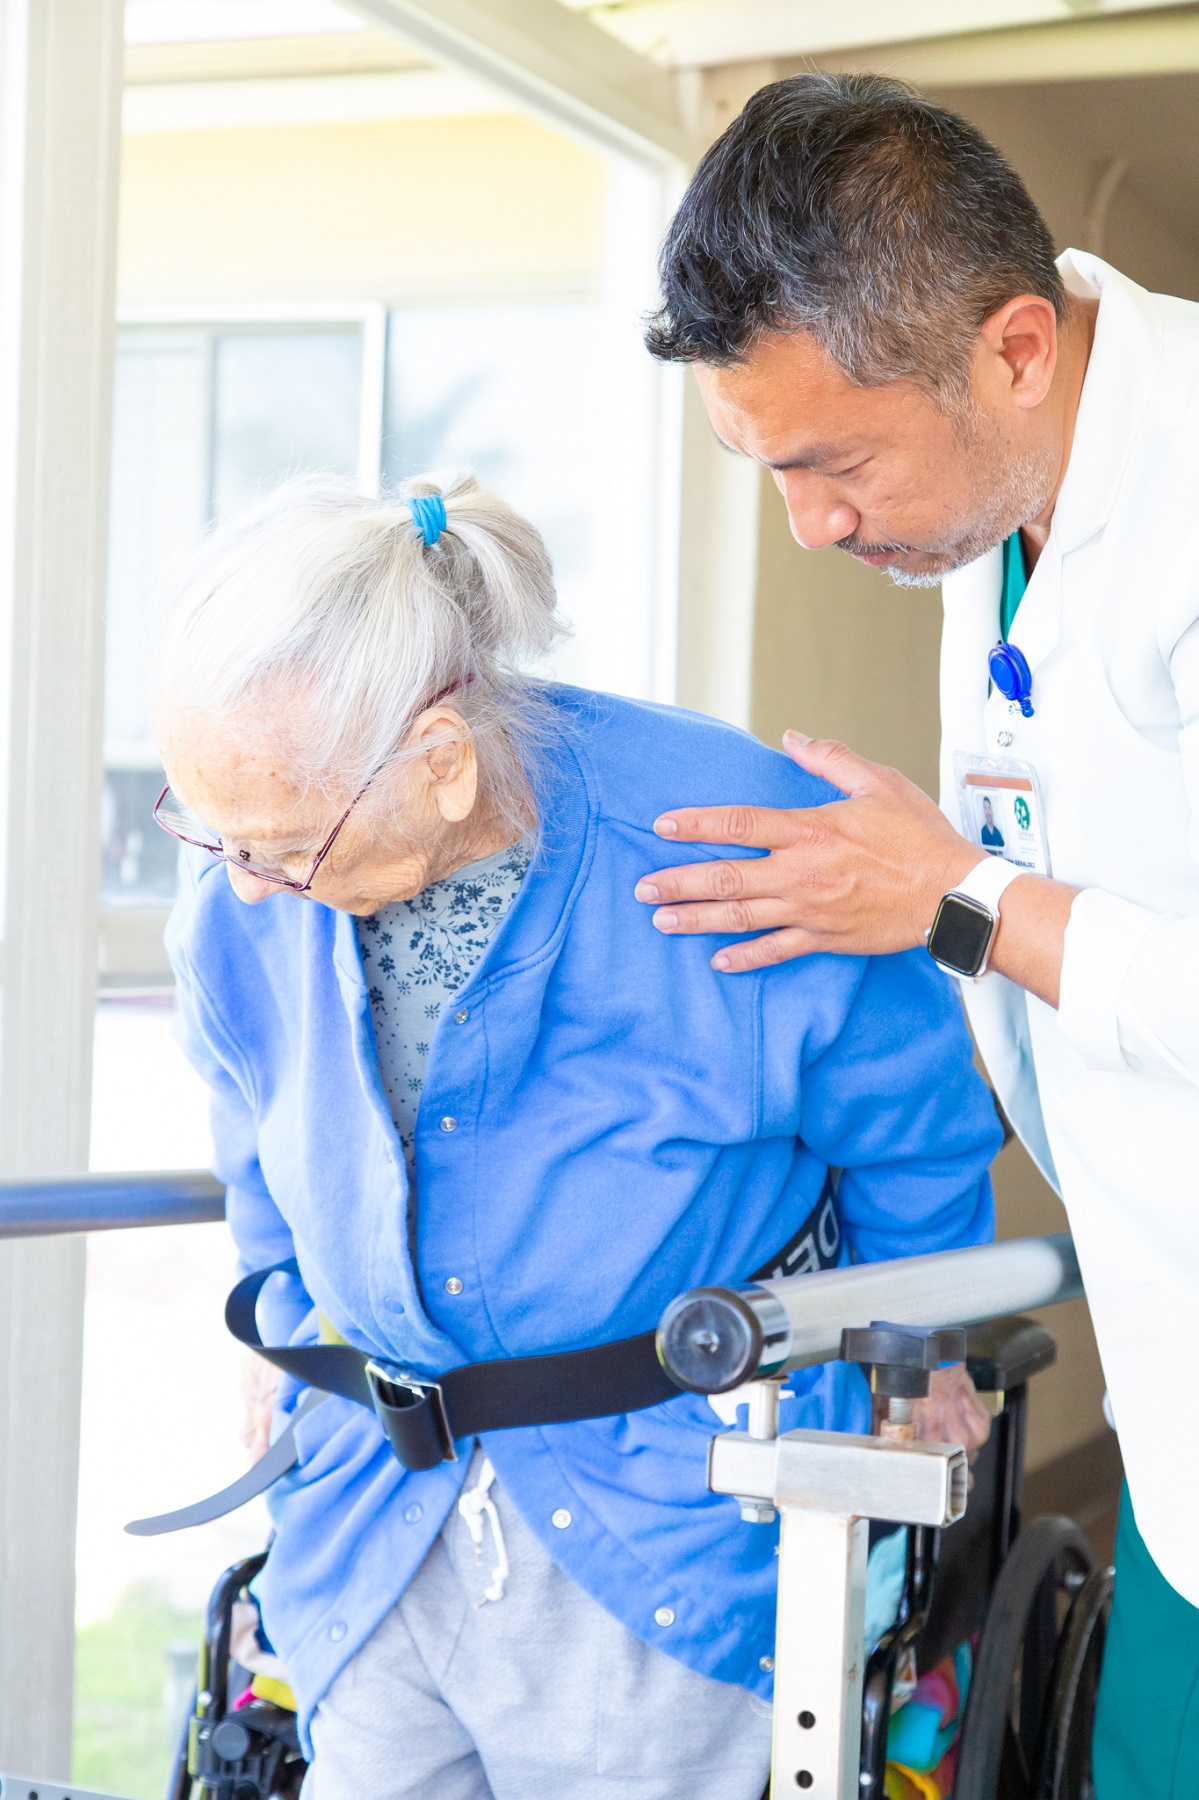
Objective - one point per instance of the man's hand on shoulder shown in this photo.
(860, 876)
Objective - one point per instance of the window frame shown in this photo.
(60, 83)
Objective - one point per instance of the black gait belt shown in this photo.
(423, 1420)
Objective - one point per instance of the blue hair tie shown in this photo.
(429, 517)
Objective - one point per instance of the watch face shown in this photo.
(961, 935)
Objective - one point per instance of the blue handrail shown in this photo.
(58, 1205)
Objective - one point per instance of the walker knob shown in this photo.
(709, 1341)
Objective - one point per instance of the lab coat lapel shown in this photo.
(971, 601)
(1119, 381)
(1124, 366)
(1115, 396)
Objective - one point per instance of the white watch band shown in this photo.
(986, 883)
(988, 880)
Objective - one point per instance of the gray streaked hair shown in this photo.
(323, 615)
(855, 209)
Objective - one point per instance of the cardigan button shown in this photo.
(448, 1124)
(664, 1616)
(453, 1285)
(462, 1016)
(561, 1518)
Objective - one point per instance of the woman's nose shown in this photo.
(248, 887)
(817, 517)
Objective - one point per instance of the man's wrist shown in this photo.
(966, 926)
(955, 867)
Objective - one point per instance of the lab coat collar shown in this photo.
(1125, 359)
(1124, 363)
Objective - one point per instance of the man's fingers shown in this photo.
(761, 827)
(764, 952)
(834, 762)
(721, 916)
(748, 878)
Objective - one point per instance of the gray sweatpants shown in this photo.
(535, 1696)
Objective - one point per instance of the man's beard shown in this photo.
(1016, 487)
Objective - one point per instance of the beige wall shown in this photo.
(839, 652)
(391, 210)
(1062, 136)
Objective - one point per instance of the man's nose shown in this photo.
(248, 887)
(818, 517)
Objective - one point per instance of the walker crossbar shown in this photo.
(714, 1339)
(23, 1787)
(59, 1205)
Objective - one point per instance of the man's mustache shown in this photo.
(856, 546)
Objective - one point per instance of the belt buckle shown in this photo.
(407, 1390)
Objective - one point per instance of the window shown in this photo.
(286, 308)
(508, 391)
(206, 418)
(209, 416)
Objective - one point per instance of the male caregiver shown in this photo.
(870, 301)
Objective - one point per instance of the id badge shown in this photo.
(1000, 803)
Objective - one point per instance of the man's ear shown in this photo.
(448, 761)
(1019, 340)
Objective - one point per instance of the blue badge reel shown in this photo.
(1012, 677)
(999, 799)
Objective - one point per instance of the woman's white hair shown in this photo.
(324, 616)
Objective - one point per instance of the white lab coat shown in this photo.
(1105, 1091)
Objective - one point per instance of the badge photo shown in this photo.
(999, 801)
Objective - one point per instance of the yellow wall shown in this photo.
(393, 210)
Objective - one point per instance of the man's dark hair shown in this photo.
(850, 207)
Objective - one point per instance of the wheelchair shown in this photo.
(1029, 1598)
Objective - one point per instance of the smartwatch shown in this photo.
(960, 938)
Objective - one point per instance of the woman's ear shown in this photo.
(449, 762)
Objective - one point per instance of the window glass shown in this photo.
(284, 403)
(161, 1417)
(206, 419)
(158, 512)
(510, 393)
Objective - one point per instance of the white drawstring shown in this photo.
(472, 1505)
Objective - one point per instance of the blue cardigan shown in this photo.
(629, 1125)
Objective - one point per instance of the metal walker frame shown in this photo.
(827, 1486)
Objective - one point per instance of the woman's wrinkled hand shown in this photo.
(259, 1381)
(953, 1413)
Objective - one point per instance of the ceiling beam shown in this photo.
(1148, 43)
(704, 34)
(554, 63)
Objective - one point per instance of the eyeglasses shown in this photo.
(173, 817)
(180, 822)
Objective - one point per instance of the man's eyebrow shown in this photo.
(816, 456)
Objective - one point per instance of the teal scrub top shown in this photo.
(1015, 580)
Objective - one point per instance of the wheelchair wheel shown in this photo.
(1066, 1744)
(1033, 1656)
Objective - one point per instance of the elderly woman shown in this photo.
(460, 1078)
